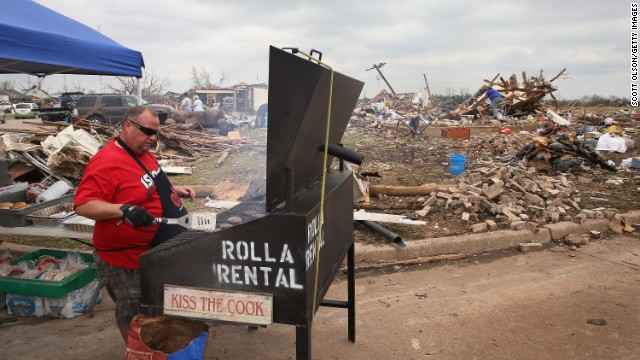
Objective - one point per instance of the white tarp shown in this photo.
(70, 137)
(608, 142)
(557, 118)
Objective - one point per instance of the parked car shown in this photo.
(160, 108)
(114, 107)
(25, 110)
(6, 107)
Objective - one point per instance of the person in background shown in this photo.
(261, 115)
(197, 103)
(495, 97)
(124, 190)
(186, 104)
(223, 127)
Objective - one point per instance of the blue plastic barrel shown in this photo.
(457, 162)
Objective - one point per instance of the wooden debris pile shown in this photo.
(519, 98)
(555, 150)
(175, 142)
(191, 145)
(185, 140)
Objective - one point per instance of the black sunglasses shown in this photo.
(147, 131)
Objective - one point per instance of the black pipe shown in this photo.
(384, 232)
(344, 154)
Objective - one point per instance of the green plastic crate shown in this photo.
(49, 288)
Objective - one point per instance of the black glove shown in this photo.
(137, 216)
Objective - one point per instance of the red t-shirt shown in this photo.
(112, 175)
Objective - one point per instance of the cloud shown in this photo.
(455, 44)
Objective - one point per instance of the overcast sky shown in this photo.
(456, 44)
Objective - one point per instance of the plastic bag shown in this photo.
(33, 191)
(5, 258)
(504, 131)
(73, 304)
(166, 338)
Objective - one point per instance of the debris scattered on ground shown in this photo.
(63, 153)
(530, 168)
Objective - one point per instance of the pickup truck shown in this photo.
(56, 114)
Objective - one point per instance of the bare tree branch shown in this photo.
(195, 78)
(153, 86)
(203, 78)
(224, 76)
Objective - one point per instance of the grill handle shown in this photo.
(344, 154)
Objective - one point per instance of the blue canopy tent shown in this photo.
(38, 41)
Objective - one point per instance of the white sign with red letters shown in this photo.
(231, 306)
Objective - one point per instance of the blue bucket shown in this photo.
(457, 162)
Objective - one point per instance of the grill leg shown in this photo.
(303, 341)
(94, 297)
(351, 292)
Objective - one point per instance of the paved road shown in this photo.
(508, 305)
(26, 124)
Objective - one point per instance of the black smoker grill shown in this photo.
(269, 249)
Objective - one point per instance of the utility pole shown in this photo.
(427, 85)
(378, 67)
(428, 91)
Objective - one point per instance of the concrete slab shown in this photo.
(562, 229)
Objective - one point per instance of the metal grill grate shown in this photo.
(241, 213)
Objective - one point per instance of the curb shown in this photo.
(469, 244)
(483, 242)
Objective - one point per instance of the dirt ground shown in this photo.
(552, 304)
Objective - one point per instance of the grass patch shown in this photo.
(623, 205)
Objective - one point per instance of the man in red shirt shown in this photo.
(124, 189)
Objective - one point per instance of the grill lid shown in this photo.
(298, 105)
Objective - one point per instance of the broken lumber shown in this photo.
(408, 190)
(202, 191)
(222, 157)
(224, 190)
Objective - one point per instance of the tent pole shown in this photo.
(139, 91)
